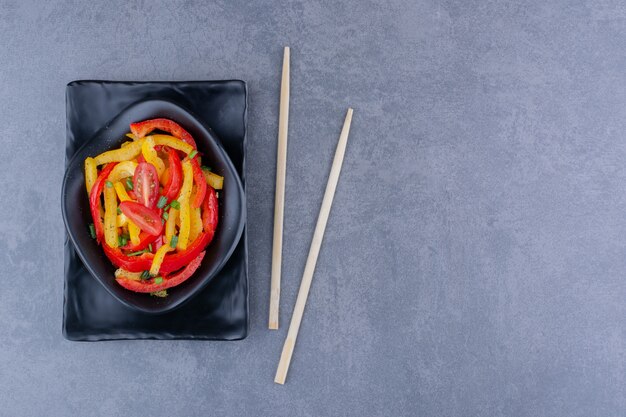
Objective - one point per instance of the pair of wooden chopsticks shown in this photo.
(279, 205)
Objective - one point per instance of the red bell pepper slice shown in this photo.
(130, 263)
(209, 211)
(141, 129)
(201, 184)
(94, 200)
(157, 244)
(176, 261)
(144, 240)
(175, 179)
(132, 194)
(166, 282)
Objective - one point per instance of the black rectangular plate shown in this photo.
(219, 311)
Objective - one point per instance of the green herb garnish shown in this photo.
(166, 215)
(139, 252)
(109, 184)
(129, 183)
(205, 168)
(119, 211)
(150, 247)
(92, 230)
(158, 280)
(175, 204)
(192, 154)
(174, 241)
(162, 293)
(162, 202)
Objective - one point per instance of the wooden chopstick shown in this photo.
(279, 199)
(316, 243)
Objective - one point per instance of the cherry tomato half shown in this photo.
(146, 184)
(147, 219)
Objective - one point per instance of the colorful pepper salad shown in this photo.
(160, 206)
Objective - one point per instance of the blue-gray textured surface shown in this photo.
(475, 258)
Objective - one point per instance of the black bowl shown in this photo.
(76, 214)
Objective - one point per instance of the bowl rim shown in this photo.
(225, 157)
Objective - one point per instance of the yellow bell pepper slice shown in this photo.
(158, 259)
(91, 173)
(133, 229)
(121, 220)
(214, 180)
(196, 224)
(186, 188)
(118, 155)
(170, 225)
(122, 170)
(121, 191)
(151, 156)
(110, 217)
(122, 273)
(185, 225)
(172, 142)
(185, 206)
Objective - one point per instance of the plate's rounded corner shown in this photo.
(243, 83)
(243, 336)
(66, 334)
(74, 83)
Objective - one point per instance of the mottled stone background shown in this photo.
(475, 258)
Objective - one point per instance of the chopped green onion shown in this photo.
(174, 241)
(162, 202)
(139, 252)
(158, 280)
(175, 204)
(166, 207)
(150, 247)
(192, 154)
(206, 168)
(145, 275)
(166, 215)
(129, 183)
(119, 211)
(92, 230)
(122, 241)
(109, 184)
